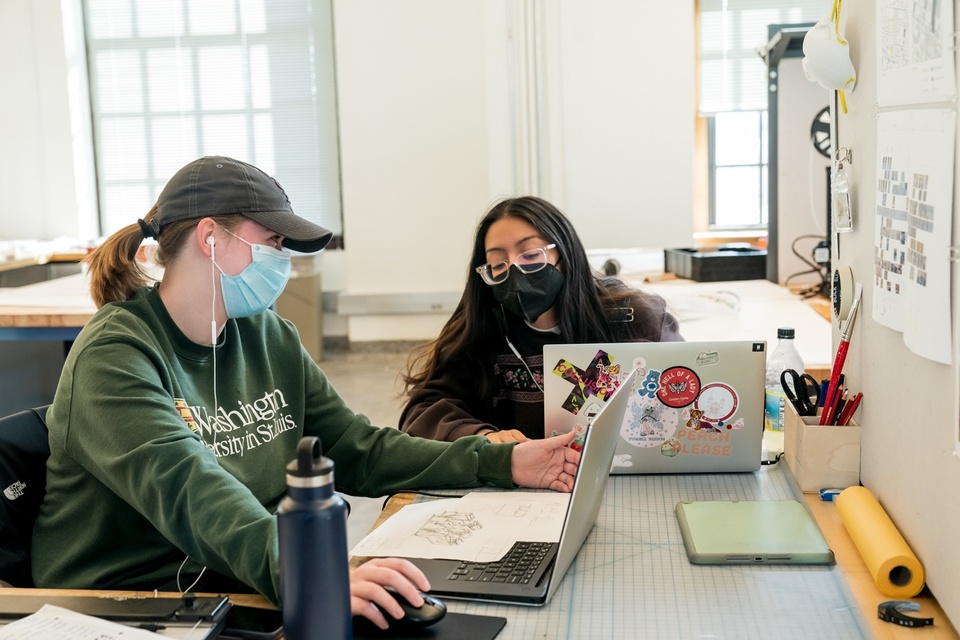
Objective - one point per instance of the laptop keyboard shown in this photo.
(519, 565)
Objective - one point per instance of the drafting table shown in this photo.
(726, 310)
(746, 310)
(51, 310)
(632, 578)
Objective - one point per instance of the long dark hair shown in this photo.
(582, 307)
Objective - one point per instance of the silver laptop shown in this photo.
(503, 580)
(694, 407)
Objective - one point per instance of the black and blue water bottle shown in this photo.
(314, 576)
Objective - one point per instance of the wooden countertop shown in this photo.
(863, 588)
(61, 302)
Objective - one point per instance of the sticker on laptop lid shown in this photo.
(679, 387)
(598, 380)
(648, 422)
(718, 402)
(707, 358)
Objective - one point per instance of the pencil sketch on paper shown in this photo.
(449, 528)
(513, 510)
(914, 52)
(531, 512)
(550, 512)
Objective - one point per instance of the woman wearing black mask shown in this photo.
(529, 284)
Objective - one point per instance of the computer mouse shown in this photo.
(432, 610)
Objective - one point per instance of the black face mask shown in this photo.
(529, 295)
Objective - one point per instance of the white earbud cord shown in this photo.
(192, 584)
(213, 336)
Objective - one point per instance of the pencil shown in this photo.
(848, 410)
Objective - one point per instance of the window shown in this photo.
(251, 79)
(737, 151)
(733, 99)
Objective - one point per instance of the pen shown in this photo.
(829, 405)
(837, 394)
(848, 410)
(841, 403)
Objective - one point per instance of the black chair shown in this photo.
(24, 450)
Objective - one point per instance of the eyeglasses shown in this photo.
(528, 262)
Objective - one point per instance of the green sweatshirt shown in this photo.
(149, 463)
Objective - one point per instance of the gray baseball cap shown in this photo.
(217, 185)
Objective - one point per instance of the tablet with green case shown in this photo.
(751, 532)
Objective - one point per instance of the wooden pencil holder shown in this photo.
(821, 457)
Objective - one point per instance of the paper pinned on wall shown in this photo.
(914, 224)
(915, 52)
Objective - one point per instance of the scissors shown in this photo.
(803, 392)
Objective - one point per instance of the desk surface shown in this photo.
(54, 304)
(746, 310)
(632, 574)
(632, 577)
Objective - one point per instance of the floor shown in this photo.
(369, 383)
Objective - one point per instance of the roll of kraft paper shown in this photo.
(894, 568)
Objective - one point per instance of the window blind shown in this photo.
(250, 79)
(732, 73)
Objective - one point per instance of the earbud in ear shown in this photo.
(210, 241)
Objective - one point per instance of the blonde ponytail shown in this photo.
(115, 272)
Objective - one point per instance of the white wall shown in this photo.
(46, 164)
(434, 127)
(415, 160)
(626, 74)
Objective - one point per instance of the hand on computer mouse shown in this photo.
(430, 612)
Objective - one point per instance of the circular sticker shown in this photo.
(679, 386)
(670, 448)
(718, 401)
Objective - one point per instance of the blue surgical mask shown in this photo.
(258, 286)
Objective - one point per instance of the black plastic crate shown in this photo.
(713, 264)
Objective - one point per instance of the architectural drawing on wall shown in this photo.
(913, 230)
(915, 52)
(449, 528)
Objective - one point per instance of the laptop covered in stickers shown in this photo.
(695, 407)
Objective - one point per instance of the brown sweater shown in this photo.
(450, 405)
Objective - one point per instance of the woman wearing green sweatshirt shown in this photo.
(181, 403)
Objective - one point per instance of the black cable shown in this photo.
(822, 270)
(774, 461)
(793, 248)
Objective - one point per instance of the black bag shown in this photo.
(24, 450)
